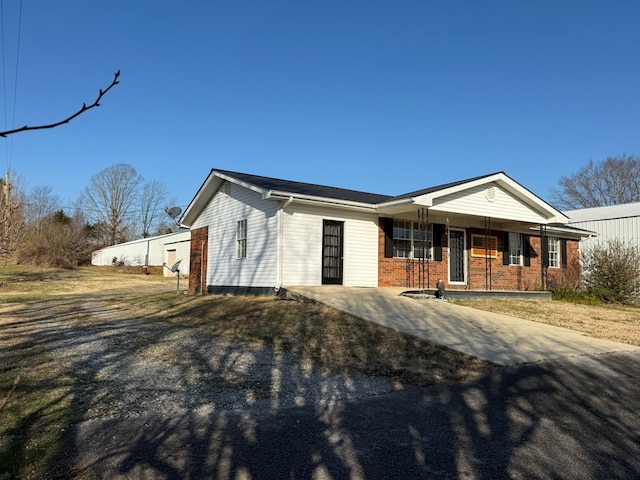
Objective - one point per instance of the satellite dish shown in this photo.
(173, 212)
(176, 267)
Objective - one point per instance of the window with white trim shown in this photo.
(411, 240)
(553, 249)
(515, 249)
(241, 239)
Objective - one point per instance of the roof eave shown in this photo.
(324, 201)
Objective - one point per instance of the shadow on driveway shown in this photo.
(553, 420)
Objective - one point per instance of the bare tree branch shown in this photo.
(84, 108)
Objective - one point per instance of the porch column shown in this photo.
(544, 257)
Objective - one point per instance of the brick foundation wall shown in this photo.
(198, 260)
(401, 272)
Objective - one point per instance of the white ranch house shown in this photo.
(256, 234)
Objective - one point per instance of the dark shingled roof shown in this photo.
(302, 188)
(444, 186)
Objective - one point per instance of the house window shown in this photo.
(483, 246)
(553, 249)
(401, 239)
(411, 240)
(515, 249)
(241, 239)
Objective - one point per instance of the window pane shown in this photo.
(411, 240)
(401, 239)
(241, 239)
(515, 249)
(553, 245)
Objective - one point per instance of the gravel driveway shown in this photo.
(127, 367)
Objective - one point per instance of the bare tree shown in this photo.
(110, 198)
(12, 219)
(40, 203)
(151, 200)
(613, 181)
(83, 109)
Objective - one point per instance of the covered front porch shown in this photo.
(484, 235)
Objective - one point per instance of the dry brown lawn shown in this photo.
(613, 322)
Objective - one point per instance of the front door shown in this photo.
(457, 264)
(332, 249)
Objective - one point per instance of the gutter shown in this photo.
(278, 195)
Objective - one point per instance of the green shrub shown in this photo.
(612, 271)
(575, 296)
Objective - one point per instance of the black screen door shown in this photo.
(456, 256)
(332, 248)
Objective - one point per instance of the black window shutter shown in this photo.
(387, 226)
(526, 246)
(438, 231)
(563, 252)
(505, 248)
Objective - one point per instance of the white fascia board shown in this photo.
(323, 201)
(566, 232)
(199, 201)
(395, 206)
(553, 216)
(259, 190)
(206, 191)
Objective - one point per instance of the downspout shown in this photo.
(203, 280)
(280, 247)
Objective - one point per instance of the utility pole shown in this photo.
(6, 215)
(7, 189)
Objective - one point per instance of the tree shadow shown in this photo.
(294, 419)
(538, 421)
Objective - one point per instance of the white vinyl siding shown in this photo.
(499, 205)
(221, 215)
(302, 246)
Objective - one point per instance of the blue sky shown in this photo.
(381, 96)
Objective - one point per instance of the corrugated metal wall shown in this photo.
(624, 229)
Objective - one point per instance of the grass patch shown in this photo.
(619, 323)
(328, 338)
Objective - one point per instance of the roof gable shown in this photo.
(495, 194)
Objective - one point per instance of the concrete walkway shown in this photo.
(498, 338)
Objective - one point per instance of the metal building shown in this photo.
(616, 222)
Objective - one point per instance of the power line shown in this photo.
(9, 145)
(4, 69)
(15, 85)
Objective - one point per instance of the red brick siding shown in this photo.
(400, 272)
(198, 260)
